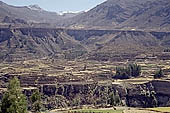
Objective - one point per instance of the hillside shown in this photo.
(29, 43)
(21, 43)
(145, 14)
(119, 14)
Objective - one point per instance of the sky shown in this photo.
(58, 5)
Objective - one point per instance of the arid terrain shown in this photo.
(73, 59)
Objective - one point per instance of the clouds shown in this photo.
(58, 5)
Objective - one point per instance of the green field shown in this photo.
(161, 109)
(99, 110)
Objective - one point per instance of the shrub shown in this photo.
(159, 74)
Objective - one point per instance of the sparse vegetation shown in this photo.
(159, 74)
(61, 102)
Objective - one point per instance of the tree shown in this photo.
(121, 73)
(135, 70)
(14, 101)
(36, 101)
(159, 74)
(132, 70)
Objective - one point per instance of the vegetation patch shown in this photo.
(132, 70)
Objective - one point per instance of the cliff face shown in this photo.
(154, 93)
(28, 43)
(150, 94)
(121, 44)
(144, 95)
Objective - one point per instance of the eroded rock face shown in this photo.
(162, 89)
(153, 93)
(28, 43)
(103, 45)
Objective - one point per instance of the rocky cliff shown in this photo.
(28, 43)
(150, 94)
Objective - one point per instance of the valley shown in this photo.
(71, 78)
(72, 64)
(113, 58)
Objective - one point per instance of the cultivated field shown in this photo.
(80, 70)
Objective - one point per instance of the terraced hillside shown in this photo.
(28, 43)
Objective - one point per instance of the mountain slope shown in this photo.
(28, 43)
(141, 14)
(27, 14)
(155, 15)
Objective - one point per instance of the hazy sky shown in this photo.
(57, 5)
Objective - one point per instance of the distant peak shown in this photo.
(69, 12)
(35, 7)
(2, 2)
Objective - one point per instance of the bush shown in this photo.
(159, 74)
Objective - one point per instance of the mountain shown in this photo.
(35, 7)
(119, 14)
(30, 14)
(139, 14)
(154, 15)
